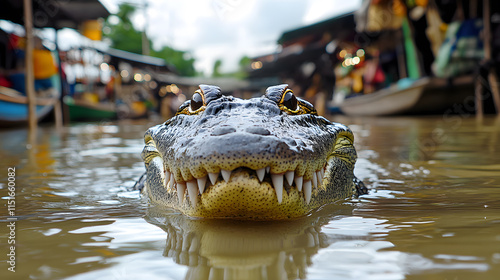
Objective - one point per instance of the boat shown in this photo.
(84, 110)
(422, 96)
(14, 106)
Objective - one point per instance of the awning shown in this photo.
(225, 83)
(305, 44)
(136, 60)
(338, 27)
(56, 14)
(285, 63)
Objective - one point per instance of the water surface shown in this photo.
(433, 211)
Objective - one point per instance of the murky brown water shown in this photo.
(433, 211)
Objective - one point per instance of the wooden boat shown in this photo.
(14, 106)
(422, 96)
(83, 110)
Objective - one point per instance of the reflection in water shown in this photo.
(224, 249)
(330, 244)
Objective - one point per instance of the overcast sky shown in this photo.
(227, 29)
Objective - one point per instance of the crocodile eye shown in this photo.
(194, 106)
(196, 101)
(289, 100)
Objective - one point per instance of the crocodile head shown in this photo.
(266, 158)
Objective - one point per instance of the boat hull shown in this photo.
(424, 96)
(14, 107)
(85, 111)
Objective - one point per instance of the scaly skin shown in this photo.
(268, 158)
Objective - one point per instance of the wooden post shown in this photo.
(145, 41)
(58, 106)
(487, 30)
(29, 74)
(492, 77)
(495, 89)
(58, 118)
(478, 90)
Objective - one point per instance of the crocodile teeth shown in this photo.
(289, 177)
(213, 177)
(172, 181)
(201, 183)
(198, 185)
(307, 191)
(226, 174)
(192, 192)
(261, 173)
(181, 188)
(298, 182)
(278, 185)
(314, 180)
(167, 177)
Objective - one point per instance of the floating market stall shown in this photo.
(14, 106)
(111, 83)
(423, 96)
(391, 57)
(20, 89)
(438, 58)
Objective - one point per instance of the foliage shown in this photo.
(241, 73)
(123, 35)
(244, 65)
(216, 70)
(182, 60)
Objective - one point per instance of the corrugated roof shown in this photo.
(339, 23)
(57, 14)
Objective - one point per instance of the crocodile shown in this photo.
(266, 158)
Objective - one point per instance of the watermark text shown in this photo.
(11, 218)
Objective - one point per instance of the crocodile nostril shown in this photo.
(222, 130)
(258, 130)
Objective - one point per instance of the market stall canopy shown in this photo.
(338, 27)
(225, 83)
(56, 14)
(283, 63)
(307, 43)
(137, 60)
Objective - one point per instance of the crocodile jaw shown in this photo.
(244, 196)
(241, 196)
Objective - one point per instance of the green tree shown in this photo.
(216, 70)
(241, 73)
(124, 36)
(244, 63)
(182, 60)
